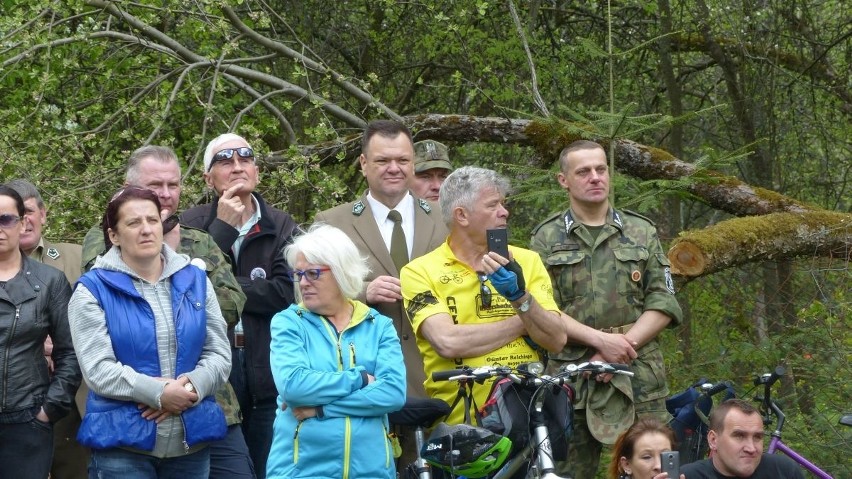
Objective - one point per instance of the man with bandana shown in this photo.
(609, 272)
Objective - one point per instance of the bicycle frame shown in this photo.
(776, 444)
(771, 408)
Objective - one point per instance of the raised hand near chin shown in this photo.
(230, 208)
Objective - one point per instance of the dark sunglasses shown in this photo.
(312, 274)
(228, 154)
(9, 220)
(484, 290)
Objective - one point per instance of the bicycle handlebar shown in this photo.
(523, 373)
(446, 375)
(769, 378)
(711, 389)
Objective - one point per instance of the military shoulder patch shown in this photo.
(633, 213)
(669, 280)
(546, 220)
(52, 253)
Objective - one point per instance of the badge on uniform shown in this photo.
(257, 273)
(669, 280)
(52, 253)
(424, 205)
(636, 276)
(358, 208)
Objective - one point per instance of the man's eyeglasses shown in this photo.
(227, 155)
(484, 291)
(9, 220)
(312, 274)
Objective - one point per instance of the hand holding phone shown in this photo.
(670, 463)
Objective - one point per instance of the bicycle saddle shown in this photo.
(846, 419)
(419, 412)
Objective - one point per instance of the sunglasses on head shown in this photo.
(312, 274)
(9, 220)
(228, 154)
(484, 290)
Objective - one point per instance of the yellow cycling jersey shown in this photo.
(439, 283)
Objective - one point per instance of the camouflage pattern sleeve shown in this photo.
(93, 246)
(544, 236)
(659, 287)
(198, 244)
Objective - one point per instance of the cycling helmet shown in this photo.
(466, 450)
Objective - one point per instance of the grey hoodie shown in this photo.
(109, 378)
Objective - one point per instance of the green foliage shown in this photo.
(83, 86)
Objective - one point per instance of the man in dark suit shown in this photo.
(387, 162)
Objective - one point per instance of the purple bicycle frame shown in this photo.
(776, 444)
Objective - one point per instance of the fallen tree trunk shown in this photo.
(548, 137)
(770, 225)
(758, 238)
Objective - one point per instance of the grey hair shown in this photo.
(27, 190)
(326, 245)
(163, 154)
(214, 143)
(463, 186)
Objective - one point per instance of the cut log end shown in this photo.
(687, 259)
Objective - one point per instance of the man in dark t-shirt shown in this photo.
(736, 444)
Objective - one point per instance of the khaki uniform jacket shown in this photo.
(356, 220)
(63, 256)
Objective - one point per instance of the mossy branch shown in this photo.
(758, 238)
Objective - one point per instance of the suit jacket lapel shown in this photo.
(367, 228)
(424, 229)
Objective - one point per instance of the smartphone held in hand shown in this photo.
(670, 463)
(498, 241)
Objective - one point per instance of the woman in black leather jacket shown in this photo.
(33, 303)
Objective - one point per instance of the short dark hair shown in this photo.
(27, 190)
(121, 197)
(6, 190)
(385, 128)
(163, 154)
(575, 146)
(717, 416)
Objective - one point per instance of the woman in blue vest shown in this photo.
(338, 368)
(150, 339)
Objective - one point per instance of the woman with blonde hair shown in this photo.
(337, 365)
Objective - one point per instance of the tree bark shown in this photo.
(771, 237)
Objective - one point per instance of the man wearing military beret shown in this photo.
(70, 459)
(431, 167)
(609, 271)
(387, 163)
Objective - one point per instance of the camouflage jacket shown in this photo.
(196, 243)
(609, 281)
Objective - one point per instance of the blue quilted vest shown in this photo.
(130, 321)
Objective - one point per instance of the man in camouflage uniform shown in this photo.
(70, 458)
(609, 271)
(157, 168)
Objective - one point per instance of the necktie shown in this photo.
(398, 248)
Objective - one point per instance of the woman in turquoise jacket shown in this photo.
(337, 365)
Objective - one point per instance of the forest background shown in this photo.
(728, 123)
